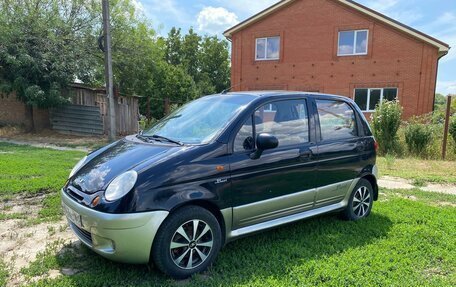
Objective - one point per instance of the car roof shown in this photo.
(280, 93)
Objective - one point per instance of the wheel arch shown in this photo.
(373, 181)
(212, 208)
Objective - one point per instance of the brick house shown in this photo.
(338, 47)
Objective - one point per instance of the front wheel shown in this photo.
(360, 201)
(187, 242)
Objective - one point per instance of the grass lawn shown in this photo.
(3, 273)
(409, 240)
(29, 171)
(34, 170)
(403, 243)
(418, 169)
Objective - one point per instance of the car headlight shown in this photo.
(77, 166)
(121, 185)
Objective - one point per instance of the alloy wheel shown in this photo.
(361, 201)
(191, 244)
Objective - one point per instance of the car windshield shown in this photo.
(199, 121)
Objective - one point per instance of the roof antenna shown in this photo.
(224, 92)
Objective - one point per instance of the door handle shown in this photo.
(306, 154)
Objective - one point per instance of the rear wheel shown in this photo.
(360, 202)
(187, 242)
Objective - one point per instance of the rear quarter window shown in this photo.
(337, 120)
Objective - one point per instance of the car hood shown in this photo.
(104, 165)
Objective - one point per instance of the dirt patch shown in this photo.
(7, 131)
(20, 242)
(395, 183)
(441, 188)
(51, 139)
(401, 183)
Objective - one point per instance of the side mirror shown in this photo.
(264, 141)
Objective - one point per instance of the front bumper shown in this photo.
(124, 238)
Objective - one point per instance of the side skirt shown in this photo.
(233, 234)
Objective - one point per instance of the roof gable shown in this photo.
(443, 47)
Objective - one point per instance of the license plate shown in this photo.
(72, 215)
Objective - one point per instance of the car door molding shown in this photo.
(232, 233)
(244, 219)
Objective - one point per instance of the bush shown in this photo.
(418, 137)
(385, 123)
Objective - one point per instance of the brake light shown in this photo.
(376, 145)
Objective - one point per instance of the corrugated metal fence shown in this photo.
(77, 119)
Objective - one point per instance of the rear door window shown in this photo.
(337, 120)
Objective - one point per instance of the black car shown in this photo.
(219, 168)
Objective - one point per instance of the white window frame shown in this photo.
(354, 43)
(266, 49)
(369, 94)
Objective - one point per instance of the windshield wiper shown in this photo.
(143, 138)
(167, 139)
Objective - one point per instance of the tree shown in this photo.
(40, 51)
(174, 47)
(47, 44)
(191, 54)
(214, 61)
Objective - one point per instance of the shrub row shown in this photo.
(418, 137)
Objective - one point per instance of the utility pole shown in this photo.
(108, 71)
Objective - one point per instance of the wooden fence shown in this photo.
(127, 108)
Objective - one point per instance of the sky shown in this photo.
(433, 17)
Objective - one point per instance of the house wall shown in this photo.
(15, 112)
(309, 61)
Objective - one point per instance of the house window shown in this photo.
(353, 43)
(367, 99)
(267, 48)
(270, 108)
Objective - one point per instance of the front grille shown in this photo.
(75, 195)
(84, 235)
(80, 196)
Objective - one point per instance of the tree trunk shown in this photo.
(167, 106)
(148, 108)
(31, 127)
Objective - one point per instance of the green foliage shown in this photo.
(214, 61)
(41, 47)
(386, 121)
(418, 137)
(452, 129)
(439, 101)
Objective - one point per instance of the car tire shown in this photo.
(180, 252)
(360, 201)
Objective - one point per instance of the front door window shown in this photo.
(286, 120)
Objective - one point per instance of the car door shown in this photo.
(280, 182)
(338, 150)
